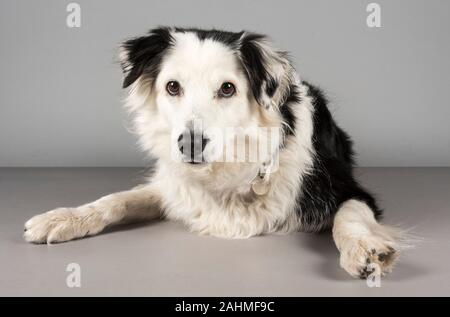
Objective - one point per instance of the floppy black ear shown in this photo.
(269, 72)
(143, 55)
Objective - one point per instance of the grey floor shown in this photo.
(162, 258)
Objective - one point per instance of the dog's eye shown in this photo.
(173, 88)
(227, 90)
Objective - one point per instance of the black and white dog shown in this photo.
(194, 95)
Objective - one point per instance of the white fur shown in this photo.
(65, 224)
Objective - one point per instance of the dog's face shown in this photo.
(196, 93)
(201, 90)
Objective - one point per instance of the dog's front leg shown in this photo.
(65, 224)
(366, 246)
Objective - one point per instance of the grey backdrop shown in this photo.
(60, 98)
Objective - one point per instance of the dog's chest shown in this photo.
(229, 216)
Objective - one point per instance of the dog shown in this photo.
(186, 86)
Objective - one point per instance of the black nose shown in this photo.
(192, 144)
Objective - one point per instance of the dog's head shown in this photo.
(195, 92)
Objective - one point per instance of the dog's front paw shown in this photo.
(58, 225)
(371, 254)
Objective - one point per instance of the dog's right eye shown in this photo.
(173, 88)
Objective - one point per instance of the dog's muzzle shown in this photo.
(191, 145)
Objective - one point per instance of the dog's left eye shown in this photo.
(173, 88)
(227, 90)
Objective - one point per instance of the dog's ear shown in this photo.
(143, 55)
(269, 71)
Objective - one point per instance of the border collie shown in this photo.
(243, 147)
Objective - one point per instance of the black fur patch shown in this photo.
(253, 63)
(271, 87)
(145, 54)
(287, 113)
(330, 181)
(228, 38)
